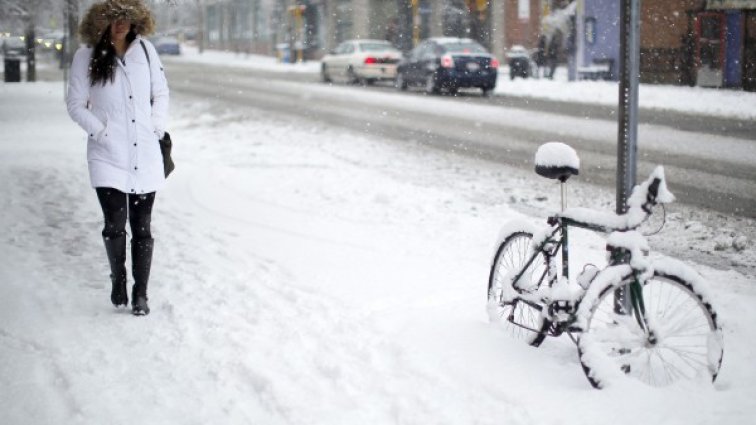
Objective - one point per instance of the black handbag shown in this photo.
(165, 142)
(165, 149)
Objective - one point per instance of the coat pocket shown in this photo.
(98, 146)
(101, 137)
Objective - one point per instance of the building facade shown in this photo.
(236, 25)
(708, 43)
(696, 42)
(311, 28)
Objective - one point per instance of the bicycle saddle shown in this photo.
(561, 173)
(556, 160)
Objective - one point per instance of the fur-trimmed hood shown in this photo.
(101, 14)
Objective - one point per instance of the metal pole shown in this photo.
(62, 64)
(628, 101)
(579, 37)
(627, 146)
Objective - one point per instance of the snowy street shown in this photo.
(312, 272)
(712, 169)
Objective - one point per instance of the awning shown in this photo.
(731, 4)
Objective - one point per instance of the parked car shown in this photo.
(14, 46)
(361, 61)
(167, 46)
(450, 64)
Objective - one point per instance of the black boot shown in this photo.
(116, 250)
(141, 261)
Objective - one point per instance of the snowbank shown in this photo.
(303, 275)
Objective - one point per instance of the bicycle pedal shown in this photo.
(562, 310)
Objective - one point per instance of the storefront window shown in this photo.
(590, 30)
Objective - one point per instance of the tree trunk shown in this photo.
(70, 43)
(201, 26)
(31, 65)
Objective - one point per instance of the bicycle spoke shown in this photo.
(678, 318)
(517, 318)
(689, 355)
(669, 368)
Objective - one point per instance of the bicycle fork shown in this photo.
(639, 310)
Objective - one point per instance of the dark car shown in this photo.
(14, 46)
(51, 42)
(448, 64)
(167, 46)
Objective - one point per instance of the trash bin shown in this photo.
(519, 67)
(12, 69)
(518, 59)
(283, 51)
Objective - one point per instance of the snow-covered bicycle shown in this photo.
(638, 318)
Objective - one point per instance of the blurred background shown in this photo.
(708, 43)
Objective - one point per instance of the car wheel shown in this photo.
(430, 84)
(351, 76)
(400, 83)
(487, 91)
(324, 75)
(453, 90)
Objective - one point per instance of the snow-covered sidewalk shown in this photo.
(724, 103)
(304, 274)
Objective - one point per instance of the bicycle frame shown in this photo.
(561, 225)
(548, 254)
(556, 240)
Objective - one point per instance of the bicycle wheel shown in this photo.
(683, 340)
(521, 319)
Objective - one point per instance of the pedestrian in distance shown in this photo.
(552, 53)
(540, 55)
(118, 94)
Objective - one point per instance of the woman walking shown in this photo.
(118, 94)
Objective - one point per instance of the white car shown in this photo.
(361, 61)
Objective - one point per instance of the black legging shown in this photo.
(116, 205)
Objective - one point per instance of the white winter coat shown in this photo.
(123, 149)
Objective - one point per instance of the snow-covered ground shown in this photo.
(694, 100)
(303, 274)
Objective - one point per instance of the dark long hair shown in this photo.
(103, 63)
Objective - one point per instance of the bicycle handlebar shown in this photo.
(653, 192)
(640, 203)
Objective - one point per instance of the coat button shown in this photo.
(129, 96)
(133, 120)
(91, 135)
(135, 168)
(134, 144)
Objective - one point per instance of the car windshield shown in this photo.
(55, 36)
(376, 47)
(14, 42)
(463, 47)
(166, 40)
